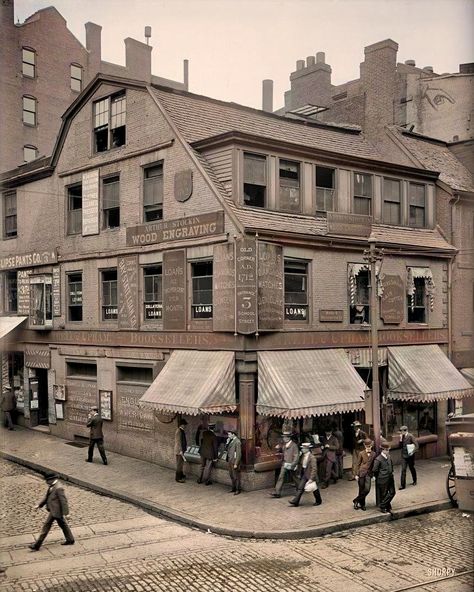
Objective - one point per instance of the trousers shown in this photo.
(179, 468)
(62, 522)
(8, 420)
(410, 463)
(364, 484)
(100, 446)
(300, 490)
(281, 479)
(234, 477)
(206, 469)
(386, 493)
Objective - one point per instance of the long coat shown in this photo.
(364, 464)
(310, 471)
(382, 469)
(290, 453)
(55, 502)
(8, 401)
(95, 424)
(209, 446)
(333, 444)
(234, 452)
(180, 442)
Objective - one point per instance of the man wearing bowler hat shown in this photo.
(358, 438)
(94, 422)
(290, 462)
(307, 470)
(364, 474)
(409, 447)
(234, 457)
(57, 506)
(208, 452)
(180, 446)
(383, 473)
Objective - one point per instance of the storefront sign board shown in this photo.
(105, 405)
(246, 285)
(223, 295)
(129, 415)
(81, 396)
(174, 290)
(37, 357)
(23, 291)
(128, 292)
(270, 286)
(51, 401)
(31, 259)
(183, 185)
(392, 307)
(331, 316)
(56, 291)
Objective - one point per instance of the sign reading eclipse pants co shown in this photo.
(174, 290)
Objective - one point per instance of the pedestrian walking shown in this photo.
(56, 503)
(94, 422)
(208, 452)
(289, 464)
(307, 470)
(364, 474)
(385, 484)
(8, 406)
(357, 445)
(180, 446)
(234, 457)
(330, 446)
(340, 451)
(409, 447)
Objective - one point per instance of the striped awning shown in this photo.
(422, 373)
(194, 382)
(468, 374)
(7, 324)
(305, 383)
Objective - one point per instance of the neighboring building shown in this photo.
(44, 68)
(207, 259)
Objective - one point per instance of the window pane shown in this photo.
(391, 190)
(29, 153)
(296, 293)
(29, 61)
(417, 195)
(255, 169)
(118, 112)
(362, 205)
(362, 185)
(391, 213)
(101, 113)
(111, 192)
(153, 186)
(324, 177)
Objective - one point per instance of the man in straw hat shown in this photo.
(307, 470)
(383, 472)
(364, 474)
(289, 464)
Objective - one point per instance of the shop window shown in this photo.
(109, 122)
(16, 368)
(74, 209)
(135, 374)
(420, 418)
(76, 77)
(111, 202)
(75, 296)
(109, 295)
(289, 186)
(362, 194)
(417, 205)
(28, 62)
(9, 214)
(255, 180)
(359, 288)
(201, 275)
(30, 153)
(391, 201)
(153, 303)
(153, 193)
(296, 290)
(29, 110)
(41, 302)
(11, 291)
(325, 189)
(81, 369)
(417, 302)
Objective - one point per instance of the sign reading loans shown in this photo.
(393, 299)
(174, 290)
(180, 229)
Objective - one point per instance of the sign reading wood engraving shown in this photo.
(171, 230)
(183, 185)
(23, 291)
(129, 415)
(223, 288)
(29, 259)
(174, 290)
(392, 307)
(56, 291)
(90, 202)
(37, 357)
(349, 224)
(246, 285)
(81, 396)
(270, 286)
(331, 316)
(128, 292)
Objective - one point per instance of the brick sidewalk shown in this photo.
(252, 514)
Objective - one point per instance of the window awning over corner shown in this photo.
(422, 373)
(468, 374)
(305, 383)
(7, 324)
(194, 382)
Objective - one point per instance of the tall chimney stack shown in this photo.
(267, 96)
(186, 74)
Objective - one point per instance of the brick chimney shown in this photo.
(267, 96)
(138, 59)
(7, 14)
(94, 47)
(311, 82)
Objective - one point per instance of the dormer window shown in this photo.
(324, 189)
(290, 186)
(362, 194)
(255, 180)
(417, 205)
(109, 122)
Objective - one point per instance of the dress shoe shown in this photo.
(356, 505)
(199, 481)
(383, 510)
(87, 460)
(208, 482)
(238, 492)
(401, 488)
(275, 495)
(317, 503)
(323, 486)
(414, 483)
(33, 547)
(105, 462)
(180, 480)
(68, 542)
(293, 503)
(363, 508)
(231, 491)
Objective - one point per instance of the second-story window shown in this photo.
(201, 275)
(11, 291)
(289, 186)
(109, 295)
(324, 189)
(76, 77)
(9, 214)
(28, 65)
(359, 291)
(74, 209)
(30, 153)
(109, 122)
(153, 300)
(417, 205)
(111, 202)
(75, 297)
(255, 180)
(296, 290)
(416, 302)
(153, 193)
(41, 301)
(29, 110)
(362, 194)
(391, 201)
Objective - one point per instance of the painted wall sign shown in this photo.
(246, 285)
(56, 291)
(128, 292)
(129, 415)
(392, 308)
(81, 396)
(90, 202)
(37, 357)
(183, 185)
(174, 290)
(171, 230)
(331, 316)
(270, 286)
(349, 224)
(23, 291)
(51, 401)
(223, 286)
(29, 259)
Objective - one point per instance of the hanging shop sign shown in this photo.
(56, 291)
(183, 185)
(223, 288)
(128, 292)
(174, 290)
(246, 285)
(105, 405)
(37, 357)
(90, 202)
(392, 306)
(270, 286)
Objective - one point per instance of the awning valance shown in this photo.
(194, 382)
(305, 383)
(422, 373)
(7, 324)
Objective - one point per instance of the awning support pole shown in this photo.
(247, 415)
(372, 258)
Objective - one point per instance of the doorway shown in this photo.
(42, 376)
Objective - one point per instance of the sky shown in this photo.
(232, 45)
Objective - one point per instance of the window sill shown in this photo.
(10, 237)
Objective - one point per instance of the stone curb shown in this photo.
(162, 511)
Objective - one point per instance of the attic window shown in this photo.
(109, 122)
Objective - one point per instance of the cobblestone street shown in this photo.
(122, 548)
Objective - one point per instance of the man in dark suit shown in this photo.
(8, 405)
(330, 446)
(358, 438)
(94, 422)
(340, 451)
(364, 474)
(208, 452)
(307, 470)
(409, 447)
(383, 472)
(234, 458)
(180, 446)
(57, 506)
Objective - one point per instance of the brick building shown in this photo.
(199, 258)
(44, 68)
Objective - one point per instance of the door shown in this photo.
(42, 376)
